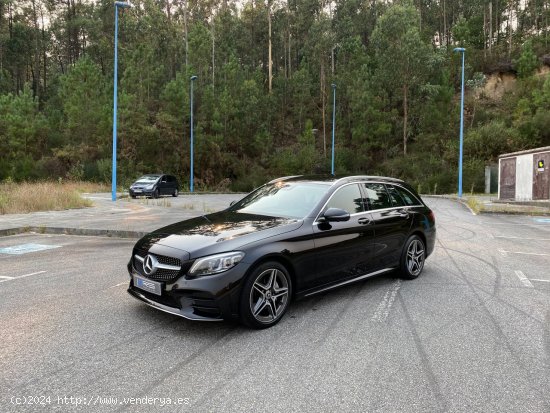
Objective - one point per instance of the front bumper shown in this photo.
(187, 312)
(141, 192)
(208, 298)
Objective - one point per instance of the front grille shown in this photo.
(161, 274)
(168, 260)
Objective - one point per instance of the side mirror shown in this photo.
(336, 215)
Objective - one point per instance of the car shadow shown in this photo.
(321, 302)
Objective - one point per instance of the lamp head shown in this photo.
(459, 49)
(123, 4)
(334, 85)
(193, 78)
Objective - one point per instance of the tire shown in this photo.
(412, 258)
(133, 196)
(156, 193)
(175, 194)
(265, 295)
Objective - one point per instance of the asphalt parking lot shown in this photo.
(472, 334)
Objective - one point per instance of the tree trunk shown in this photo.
(490, 27)
(289, 56)
(213, 54)
(485, 35)
(510, 31)
(1, 24)
(269, 59)
(332, 59)
(36, 70)
(185, 33)
(323, 107)
(420, 16)
(445, 24)
(546, 24)
(497, 25)
(405, 117)
(168, 12)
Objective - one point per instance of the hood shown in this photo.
(222, 231)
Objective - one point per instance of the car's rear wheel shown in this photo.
(413, 257)
(265, 296)
(175, 193)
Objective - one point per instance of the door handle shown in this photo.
(363, 221)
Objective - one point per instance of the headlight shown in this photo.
(150, 186)
(215, 264)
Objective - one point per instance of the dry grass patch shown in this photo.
(88, 187)
(475, 205)
(20, 198)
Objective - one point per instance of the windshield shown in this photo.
(147, 179)
(282, 199)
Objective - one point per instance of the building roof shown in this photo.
(525, 152)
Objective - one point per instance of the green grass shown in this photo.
(25, 197)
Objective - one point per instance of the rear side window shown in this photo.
(407, 196)
(347, 198)
(396, 198)
(377, 196)
(171, 179)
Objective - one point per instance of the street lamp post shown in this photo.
(333, 123)
(193, 78)
(463, 52)
(122, 5)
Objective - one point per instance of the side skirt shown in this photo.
(361, 277)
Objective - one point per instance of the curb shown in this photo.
(529, 214)
(488, 211)
(73, 231)
(456, 199)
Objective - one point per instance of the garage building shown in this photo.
(524, 175)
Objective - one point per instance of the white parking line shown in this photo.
(119, 284)
(503, 252)
(383, 309)
(533, 239)
(21, 276)
(517, 223)
(523, 279)
(544, 281)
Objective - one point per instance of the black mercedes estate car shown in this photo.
(290, 238)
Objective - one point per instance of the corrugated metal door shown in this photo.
(508, 178)
(541, 175)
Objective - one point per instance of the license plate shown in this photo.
(137, 191)
(147, 285)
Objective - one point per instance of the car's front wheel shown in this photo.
(156, 193)
(265, 296)
(413, 257)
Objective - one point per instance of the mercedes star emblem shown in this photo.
(150, 264)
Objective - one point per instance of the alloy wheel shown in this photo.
(415, 257)
(269, 296)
